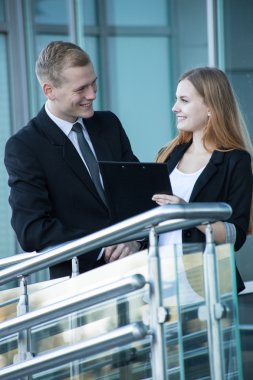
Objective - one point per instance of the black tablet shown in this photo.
(129, 186)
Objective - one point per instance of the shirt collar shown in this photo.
(64, 125)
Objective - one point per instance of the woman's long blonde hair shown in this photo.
(226, 129)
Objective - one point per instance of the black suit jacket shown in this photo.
(226, 178)
(52, 197)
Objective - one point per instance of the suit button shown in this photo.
(187, 234)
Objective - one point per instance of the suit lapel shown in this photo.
(61, 142)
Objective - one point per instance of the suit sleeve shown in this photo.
(30, 201)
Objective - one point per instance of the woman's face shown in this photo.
(190, 109)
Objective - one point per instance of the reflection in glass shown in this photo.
(51, 12)
(2, 10)
(139, 88)
(89, 12)
(189, 36)
(239, 53)
(138, 13)
(7, 244)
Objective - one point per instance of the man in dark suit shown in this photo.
(54, 197)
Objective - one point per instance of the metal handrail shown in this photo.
(137, 226)
(12, 260)
(123, 230)
(246, 327)
(167, 226)
(89, 298)
(117, 338)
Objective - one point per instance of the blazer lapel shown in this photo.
(61, 142)
(210, 169)
(176, 156)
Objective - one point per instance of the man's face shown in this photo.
(74, 98)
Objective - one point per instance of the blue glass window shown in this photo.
(51, 12)
(139, 13)
(7, 243)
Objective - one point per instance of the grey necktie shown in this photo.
(90, 159)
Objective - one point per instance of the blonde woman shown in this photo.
(210, 160)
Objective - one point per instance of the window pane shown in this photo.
(51, 12)
(238, 31)
(189, 35)
(239, 53)
(139, 13)
(89, 13)
(2, 11)
(139, 79)
(7, 242)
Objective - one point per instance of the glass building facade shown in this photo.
(139, 49)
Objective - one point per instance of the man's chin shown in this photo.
(87, 115)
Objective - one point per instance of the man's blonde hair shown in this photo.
(57, 56)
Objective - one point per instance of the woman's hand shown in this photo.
(164, 199)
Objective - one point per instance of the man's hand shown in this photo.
(116, 252)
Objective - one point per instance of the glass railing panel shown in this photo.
(100, 319)
(230, 322)
(185, 334)
(9, 300)
(194, 348)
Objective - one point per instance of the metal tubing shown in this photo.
(158, 345)
(119, 231)
(172, 225)
(117, 338)
(211, 285)
(69, 305)
(24, 337)
(211, 32)
(167, 226)
(75, 267)
(12, 260)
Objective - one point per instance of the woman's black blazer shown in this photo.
(226, 178)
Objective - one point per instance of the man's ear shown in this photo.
(48, 90)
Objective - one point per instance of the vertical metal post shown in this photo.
(75, 267)
(157, 312)
(24, 338)
(123, 319)
(214, 310)
(74, 324)
(211, 32)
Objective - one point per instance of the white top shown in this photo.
(182, 185)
